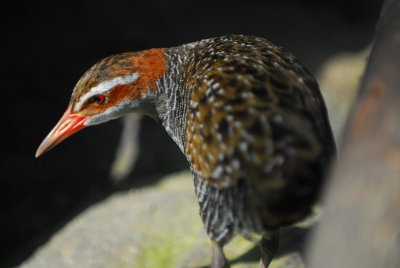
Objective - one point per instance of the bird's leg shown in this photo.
(218, 257)
(269, 246)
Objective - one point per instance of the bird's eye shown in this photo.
(99, 99)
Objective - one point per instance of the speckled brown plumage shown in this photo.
(247, 114)
(257, 118)
(243, 94)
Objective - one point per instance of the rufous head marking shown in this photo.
(124, 76)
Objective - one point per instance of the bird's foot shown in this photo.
(269, 246)
(218, 258)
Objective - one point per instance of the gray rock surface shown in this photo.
(154, 226)
(128, 229)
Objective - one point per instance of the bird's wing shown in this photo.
(255, 113)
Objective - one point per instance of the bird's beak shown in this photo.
(68, 125)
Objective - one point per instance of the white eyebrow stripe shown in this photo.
(106, 86)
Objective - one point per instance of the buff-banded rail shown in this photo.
(248, 116)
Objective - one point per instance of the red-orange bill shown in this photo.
(66, 126)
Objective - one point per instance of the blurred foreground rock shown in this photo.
(360, 227)
(155, 226)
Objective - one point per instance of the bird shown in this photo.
(246, 113)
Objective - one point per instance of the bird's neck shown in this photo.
(173, 97)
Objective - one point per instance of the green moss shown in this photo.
(164, 248)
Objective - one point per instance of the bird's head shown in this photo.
(112, 87)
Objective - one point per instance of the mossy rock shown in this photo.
(156, 226)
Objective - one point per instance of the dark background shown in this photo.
(46, 47)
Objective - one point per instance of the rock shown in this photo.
(156, 226)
